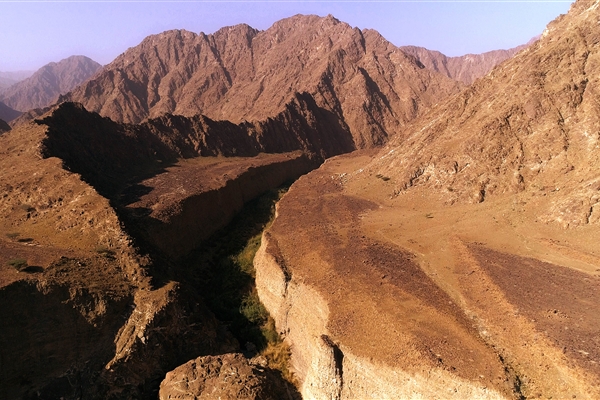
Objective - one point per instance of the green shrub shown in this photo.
(253, 310)
(18, 263)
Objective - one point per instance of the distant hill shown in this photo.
(9, 78)
(46, 84)
(465, 68)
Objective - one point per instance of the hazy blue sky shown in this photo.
(33, 33)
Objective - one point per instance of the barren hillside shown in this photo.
(453, 256)
(460, 260)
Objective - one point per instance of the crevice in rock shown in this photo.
(338, 359)
(513, 377)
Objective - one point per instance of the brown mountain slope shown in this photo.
(7, 113)
(46, 84)
(441, 266)
(239, 73)
(465, 68)
(529, 126)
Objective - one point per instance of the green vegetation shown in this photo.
(18, 263)
(223, 271)
(12, 235)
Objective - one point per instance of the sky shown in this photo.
(36, 32)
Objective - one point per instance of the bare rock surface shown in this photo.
(238, 73)
(461, 259)
(45, 86)
(230, 376)
(86, 203)
(74, 287)
(465, 68)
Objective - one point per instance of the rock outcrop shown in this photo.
(231, 376)
(239, 73)
(45, 86)
(115, 329)
(173, 176)
(73, 286)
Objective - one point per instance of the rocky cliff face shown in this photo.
(107, 153)
(239, 74)
(175, 176)
(465, 68)
(46, 84)
(81, 296)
